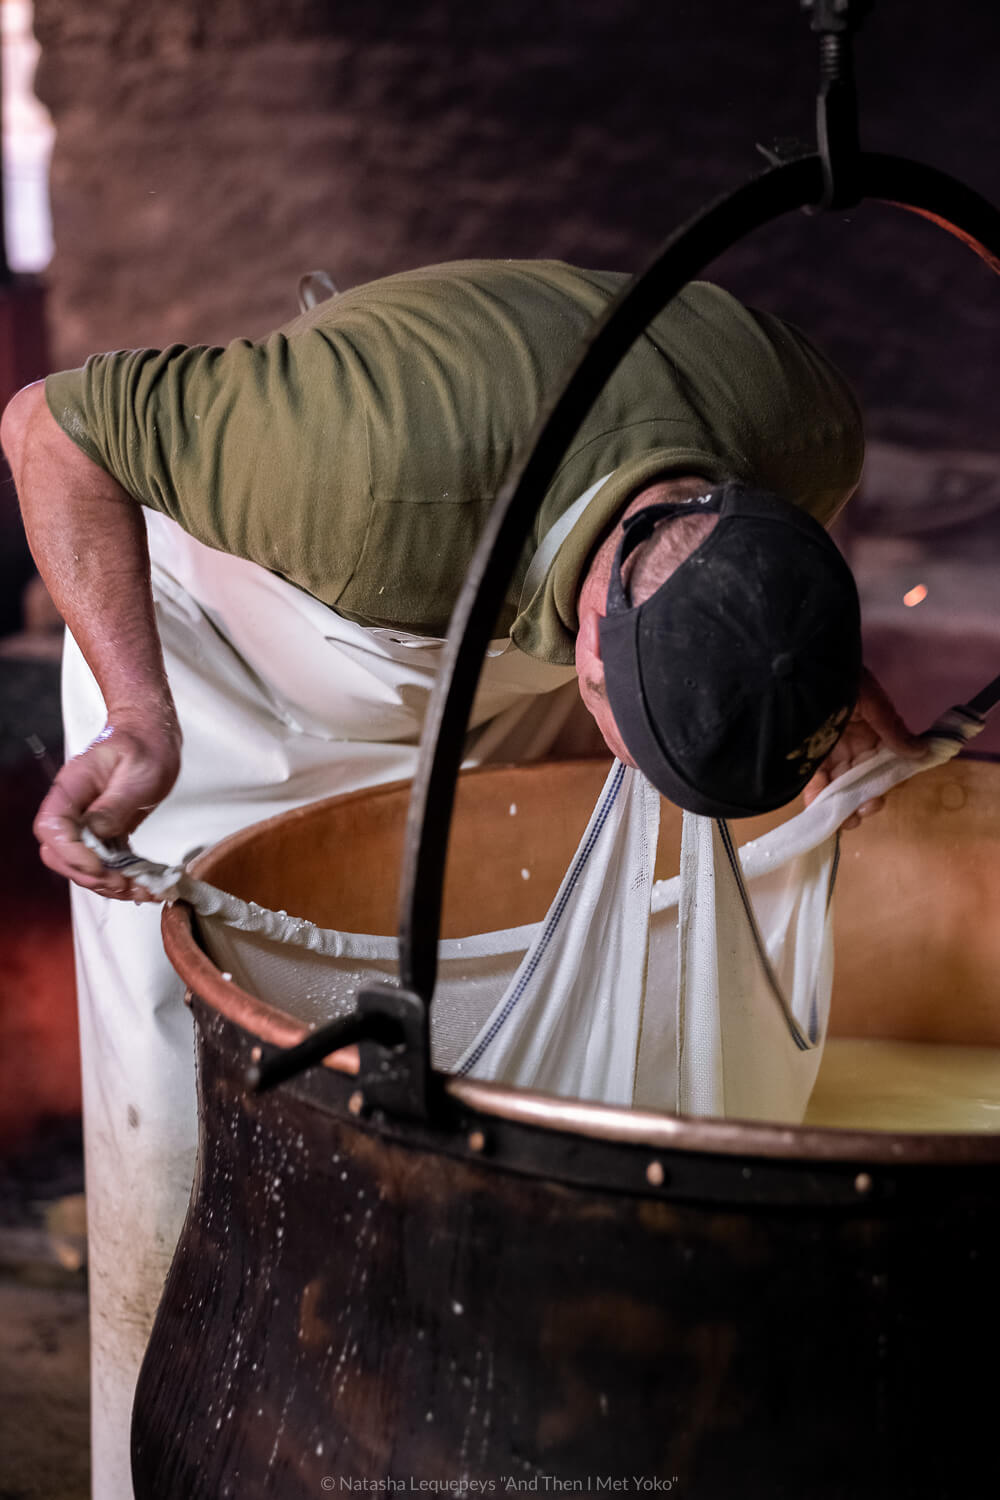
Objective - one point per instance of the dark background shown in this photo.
(209, 153)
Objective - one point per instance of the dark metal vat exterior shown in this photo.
(561, 1295)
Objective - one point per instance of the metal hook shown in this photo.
(835, 22)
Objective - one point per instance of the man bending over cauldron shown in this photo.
(260, 547)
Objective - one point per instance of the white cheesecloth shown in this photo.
(707, 994)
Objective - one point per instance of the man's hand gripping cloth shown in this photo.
(705, 994)
(713, 999)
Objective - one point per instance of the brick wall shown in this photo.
(209, 152)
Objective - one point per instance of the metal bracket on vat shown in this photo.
(389, 1026)
(395, 1075)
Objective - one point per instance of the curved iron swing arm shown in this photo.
(796, 184)
(392, 1023)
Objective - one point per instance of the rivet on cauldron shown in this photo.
(477, 1140)
(356, 1102)
(655, 1174)
(863, 1183)
(953, 796)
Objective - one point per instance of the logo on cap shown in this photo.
(813, 749)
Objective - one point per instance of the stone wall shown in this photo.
(207, 153)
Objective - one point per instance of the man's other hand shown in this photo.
(874, 723)
(109, 788)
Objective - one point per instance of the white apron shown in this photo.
(281, 702)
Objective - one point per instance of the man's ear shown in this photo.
(590, 636)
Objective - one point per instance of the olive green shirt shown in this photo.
(357, 450)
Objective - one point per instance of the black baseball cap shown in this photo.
(738, 675)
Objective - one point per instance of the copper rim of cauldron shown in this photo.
(599, 1122)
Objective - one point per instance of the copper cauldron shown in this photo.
(527, 1293)
(564, 1295)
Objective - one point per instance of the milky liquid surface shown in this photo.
(877, 1085)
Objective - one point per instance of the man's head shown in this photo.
(719, 645)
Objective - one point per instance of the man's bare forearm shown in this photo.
(89, 542)
(88, 538)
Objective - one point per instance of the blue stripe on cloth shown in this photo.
(794, 1029)
(551, 926)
